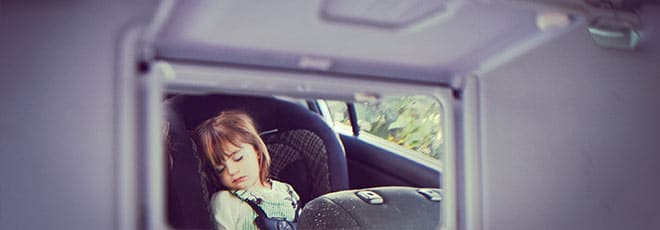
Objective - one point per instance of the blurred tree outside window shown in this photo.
(413, 122)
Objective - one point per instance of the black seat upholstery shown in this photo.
(185, 207)
(305, 152)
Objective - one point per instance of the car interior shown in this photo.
(382, 114)
(305, 152)
(222, 57)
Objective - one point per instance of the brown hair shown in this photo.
(231, 128)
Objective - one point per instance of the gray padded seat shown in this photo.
(401, 208)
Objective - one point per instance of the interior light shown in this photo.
(382, 13)
(548, 20)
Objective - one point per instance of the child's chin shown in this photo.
(240, 186)
(243, 185)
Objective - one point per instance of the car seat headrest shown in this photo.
(296, 151)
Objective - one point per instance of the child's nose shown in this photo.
(231, 168)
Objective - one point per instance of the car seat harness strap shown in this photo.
(273, 223)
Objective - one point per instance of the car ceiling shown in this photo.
(433, 41)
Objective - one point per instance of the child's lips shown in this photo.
(239, 179)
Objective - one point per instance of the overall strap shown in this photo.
(256, 208)
(262, 221)
(296, 204)
(253, 204)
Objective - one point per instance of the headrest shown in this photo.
(299, 157)
(375, 208)
(267, 112)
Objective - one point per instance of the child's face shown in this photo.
(241, 168)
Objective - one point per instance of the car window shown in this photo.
(412, 122)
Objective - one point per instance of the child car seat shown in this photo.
(305, 152)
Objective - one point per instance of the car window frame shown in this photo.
(173, 76)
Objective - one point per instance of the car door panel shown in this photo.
(370, 166)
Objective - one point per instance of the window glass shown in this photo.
(413, 122)
(338, 112)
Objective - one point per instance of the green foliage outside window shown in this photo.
(413, 122)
